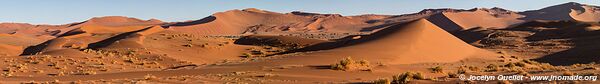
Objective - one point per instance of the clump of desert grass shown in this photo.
(520, 65)
(247, 55)
(7, 74)
(85, 72)
(382, 81)
(150, 77)
(403, 78)
(406, 77)
(350, 64)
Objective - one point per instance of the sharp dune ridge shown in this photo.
(259, 46)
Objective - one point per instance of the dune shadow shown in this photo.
(556, 12)
(349, 40)
(111, 40)
(444, 22)
(577, 55)
(195, 22)
(471, 35)
(585, 44)
(32, 50)
(372, 28)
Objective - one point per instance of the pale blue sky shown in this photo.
(68, 11)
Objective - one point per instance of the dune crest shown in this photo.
(566, 11)
(256, 21)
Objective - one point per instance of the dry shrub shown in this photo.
(437, 69)
(406, 77)
(382, 81)
(349, 64)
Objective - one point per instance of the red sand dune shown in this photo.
(10, 50)
(120, 21)
(456, 20)
(415, 42)
(259, 21)
(567, 11)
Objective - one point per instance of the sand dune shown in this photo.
(10, 50)
(120, 21)
(461, 19)
(410, 43)
(567, 11)
(260, 21)
(479, 17)
(415, 42)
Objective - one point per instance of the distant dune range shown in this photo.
(255, 40)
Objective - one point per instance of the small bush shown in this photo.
(382, 81)
(437, 69)
(348, 64)
(85, 72)
(247, 55)
(547, 66)
(510, 65)
(461, 71)
(523, 72)
(492, 67)
(150, 77)
(406, 77)
(7, 74)
(520, 64)
(452, 75)
(590, 68)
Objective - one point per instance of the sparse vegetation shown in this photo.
(590, 68)
(492, 67)
(437, 69)
(349, 64)
(150, 77)
(382, 81)
(85, 72)
(406, 77)
(461, 71)
(7, 74)
(247, 55)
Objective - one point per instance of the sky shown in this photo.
(69, 11)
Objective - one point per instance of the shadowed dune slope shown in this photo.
(279, 41)
(479, 17)
(567, 11)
